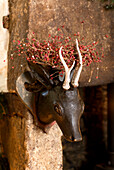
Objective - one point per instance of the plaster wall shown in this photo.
(4, 41)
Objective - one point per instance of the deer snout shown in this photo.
(74, 138)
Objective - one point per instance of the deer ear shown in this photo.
(28, 98)
(41, 74)
(34, 87)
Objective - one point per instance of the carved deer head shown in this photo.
(53, 100)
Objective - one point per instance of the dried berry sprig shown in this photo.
(47, 52)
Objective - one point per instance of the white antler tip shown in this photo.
(66, 86)
(60, 49)
(77, 75)
(76, 41)
(75, 84)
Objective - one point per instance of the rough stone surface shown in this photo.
(43, 150)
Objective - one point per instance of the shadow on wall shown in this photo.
(92, 149)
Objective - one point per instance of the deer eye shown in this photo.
(58, 109)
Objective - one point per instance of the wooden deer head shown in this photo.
(53, 100)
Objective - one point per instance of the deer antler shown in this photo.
(76, 76)
(66, 85)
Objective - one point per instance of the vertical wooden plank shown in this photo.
(18, 29)
(111, 124)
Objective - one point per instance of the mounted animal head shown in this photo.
(53, 100)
